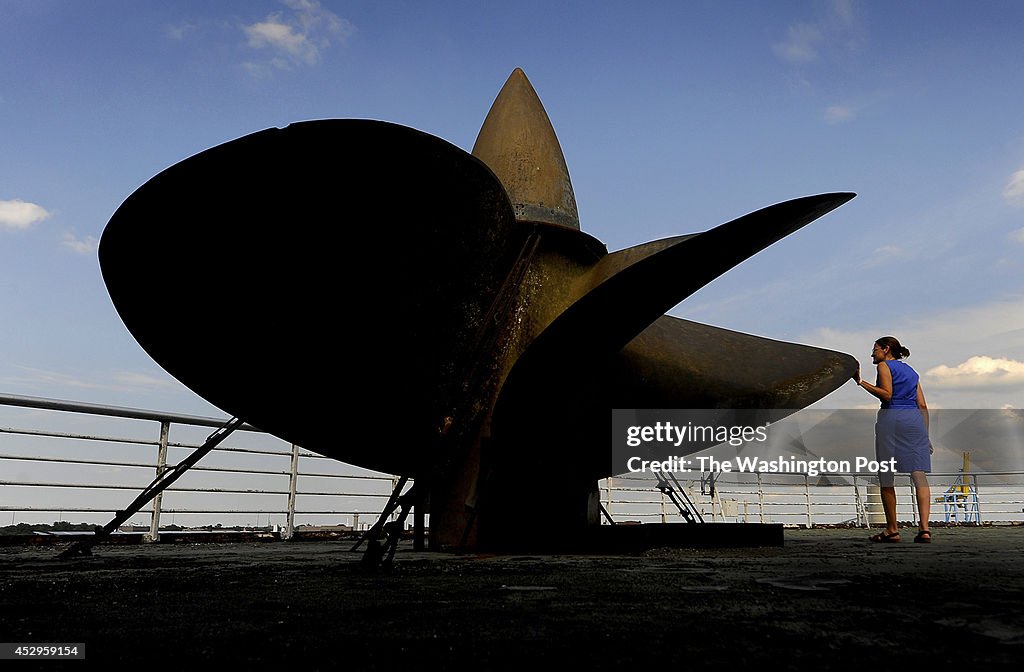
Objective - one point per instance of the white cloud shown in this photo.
(886, 254)
(135, 380)
(842, 11)
(836, 27)
(1018, 236)
(1013, 192)
(996, 325)
(837, 114)
(298, 37)
(801, 44)
(273, 33)
(889, 250)
(18, 214)
(38, 377)
(978, 371)
(179, 31)
(935, 340)
(119, 381)
(87, 245)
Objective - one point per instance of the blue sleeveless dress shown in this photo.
(900, 431)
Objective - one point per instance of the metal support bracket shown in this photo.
(159, 484)
(679, 497)
(382, 538)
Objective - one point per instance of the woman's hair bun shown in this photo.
(897, 350)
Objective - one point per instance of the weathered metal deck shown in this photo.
(827, 599)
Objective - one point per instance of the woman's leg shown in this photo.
(924, 496)
(884, 450)
(889, 507)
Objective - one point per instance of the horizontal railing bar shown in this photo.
(116, 411)
(71, 460)
(145, 442)
(727, 477)
(137, 442)
(300, 493)
(104, 463)
(255, 451)
(101, 486)
(148, 466)
(146, 512)
(230, 449)
(297, 513)
(19, 509)
(71, 435)
(363, 478)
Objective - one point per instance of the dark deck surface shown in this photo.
(827, 599)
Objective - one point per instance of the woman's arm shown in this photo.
(883, 387)
(923, 405)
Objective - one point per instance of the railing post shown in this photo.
(760, 498)
(713, 496)
(859, 505)
(293, 479)
(161, 467)
(394, 486)
(977, 500)
(419, 518)
(913, 501)
(608, 495)
(807, 499)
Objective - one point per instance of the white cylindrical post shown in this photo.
(161, 467)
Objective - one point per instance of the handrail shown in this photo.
(739, 496)
(21, 490)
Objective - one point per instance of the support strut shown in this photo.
(678, 495)
(159, 484)
(382, 538)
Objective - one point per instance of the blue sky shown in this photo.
(673, 116)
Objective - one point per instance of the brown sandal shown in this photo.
(923, 537)
(883, 538)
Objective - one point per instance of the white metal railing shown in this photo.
(799, 499)
(300, 485)
(28, 487)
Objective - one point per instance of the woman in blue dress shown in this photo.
(901, 433)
